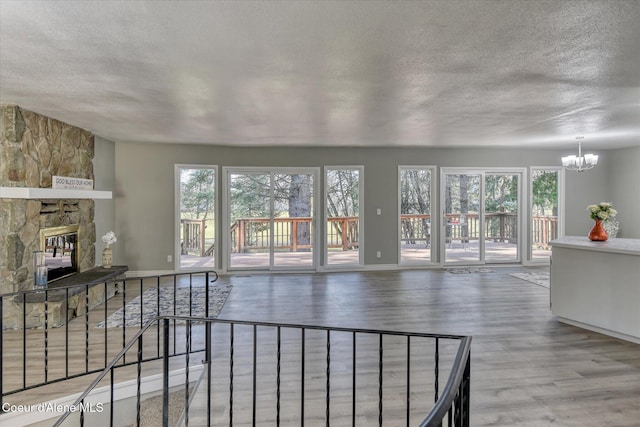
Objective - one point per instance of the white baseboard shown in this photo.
(330, 269)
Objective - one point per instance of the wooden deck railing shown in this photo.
(415, 229)
(499, 227)
(545, 229)
(295, 234)
(343, 232)
(252, 234)
(192, 236)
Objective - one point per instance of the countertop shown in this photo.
(615, 245)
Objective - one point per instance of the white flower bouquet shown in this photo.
(109, 238)
(603, 211)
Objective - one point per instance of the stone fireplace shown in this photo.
(33, 149)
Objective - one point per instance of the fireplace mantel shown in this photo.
(51, 193)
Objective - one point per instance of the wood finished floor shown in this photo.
(528, 369)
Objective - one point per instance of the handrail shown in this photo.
(450, 399)
(109, 281)
(107, 369)
(452, 388)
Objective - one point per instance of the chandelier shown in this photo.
(580, 162)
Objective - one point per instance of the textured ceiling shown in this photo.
(428, 73)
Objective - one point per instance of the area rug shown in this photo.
(133, 312)
(468, 270)
(540, 278)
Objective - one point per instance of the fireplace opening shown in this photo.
(61, 251)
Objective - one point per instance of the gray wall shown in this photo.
(144, 188)
(583, 189)
(104, 161)
(623, 189)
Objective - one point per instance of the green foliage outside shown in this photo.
(415, 192)
(343, 186)
(197, 198)
(545, 193)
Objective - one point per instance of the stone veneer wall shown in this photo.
(33, 148)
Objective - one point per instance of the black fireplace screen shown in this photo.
(60, 247)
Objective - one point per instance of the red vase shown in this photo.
(598, 233)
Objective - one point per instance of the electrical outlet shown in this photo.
(379, 254)
(169, 258)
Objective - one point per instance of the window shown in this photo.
(545, 211)
(416, 225)
(343, 188)
(196, 227)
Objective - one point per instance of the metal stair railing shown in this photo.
(47, 354)
(329, 367)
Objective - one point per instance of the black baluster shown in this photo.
(24, 340)
(106, 345)
(328, 386)
(408, 380)
(165, 374)
(302, 381)
(255, 371)
(206, 295)
(209, 361)
(159, 314)
(231, 376)
(380, 382)
(278, 359)
(86, 328)
(437, 369)
(139, 382)
(142, 303)
(46, 336)
(124, 319)
(186, 382)
(353, 382)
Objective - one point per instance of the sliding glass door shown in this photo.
(481, 221)
(462, 222)
(249, 212)
(293, 225)
(271, 218)
(501, 217)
